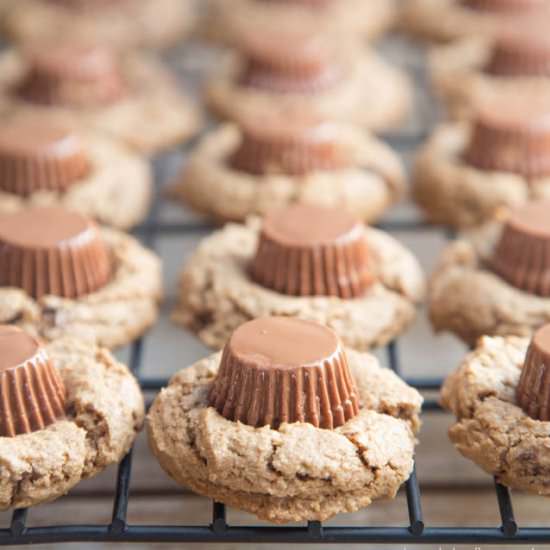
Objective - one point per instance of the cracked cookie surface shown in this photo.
(105, 411)
(154, 116)
(116, 192)
(451, 192)
(112, 316)
(217, 295)
(211, 187)
(471, 301)
(297, 472)
(491, 429)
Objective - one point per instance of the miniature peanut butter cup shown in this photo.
(279, 369)
(289, 143)
(52, 251)
(521, 51)
(522, 255)
(533, 390)
(308, 3)
(307, 250)
(289, 62)
(32, 395)
(37, 154)
(511, 133)
(72, 75)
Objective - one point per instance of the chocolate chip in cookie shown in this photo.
(39, 153)
(299, 256)
(533, 390)
(52, 251)
(522, 255)
(278, 370)
(33, 394)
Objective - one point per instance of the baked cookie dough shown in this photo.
(298, 471)
(366, 19)
(371, 94)
(104, 413)
(148, 113)
(127, 23)
(114, 186)
(446, 20)
(471, 295)
(491, 428)
(119, 311)
(373, 181)
(217, 294)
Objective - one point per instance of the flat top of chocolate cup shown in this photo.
(522, 106)
(42, 227)
(38, 136)
(83, 61)
(532, 219)
(309, 225)
(16, 347)
(541, 340)
(283, 342)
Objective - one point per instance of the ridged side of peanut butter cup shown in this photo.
(307, 250)
(278, 369)
(521, 50)
(52, 251)
(70, 74)
(533, 390)
(40, 154)
(522, 254)
(32, 394)
(289, 62)
(511, 132)
(289, 143)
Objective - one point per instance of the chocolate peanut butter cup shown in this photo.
(278, 369)
(307, 250)
(533, 390)
(290, 144)
(511, 132)
(521, 51)
(72, 75)
(289, 62)
(40, 154)
(308, 3)
(52, 251)
(522, 255)
(32, 395)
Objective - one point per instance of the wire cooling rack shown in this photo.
(219, 530)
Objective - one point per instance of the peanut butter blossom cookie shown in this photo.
(44, 161)
(68, 410)
(287, 424)
(303, 261)
(467, 172)
(471, 67)
(278, 157)
(301, 70)
(224, 20)
(121, 23)
(501, 398)
(60, 275)
(130, 96)
(497, 282)
(445, 20)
